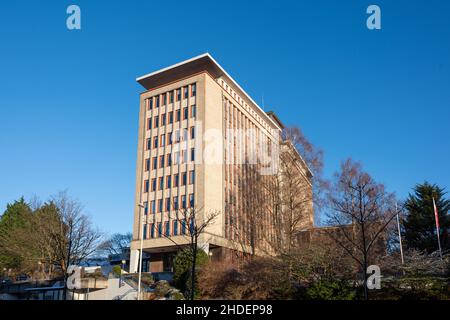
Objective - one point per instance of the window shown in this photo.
(161, 161)
(183, 201)
(176, 180)
(155, 163)
(153, 184)
(163, 119)
(149, 144)
(168, 182)
(169, 138)
(147, 164)
(145, 231)
(150, 104)
(160, 205)
(152, 230)
(178, 94)
(160, 183)
(184, 156)
(192, 132)
(153, 208)
(183, 178)
(193, 154)
(177, 136)
(194, 90)
(149, 123)
(175, 227)
(175, 203)
(155, 142)
(191, 226)
(176, 159)
(170, 117)
(191, 200)
(145, 208)
(193, 111)
(191, 177)
(171, 96)
(183, 227)
(156, 121)
(146, 186)
(169, 159)
(167, 204)
(157, 102)
(185, 113)
(164, 99)
(186, 92)
(167, 228)
(163, 140)
(159, 229)
(178, 115)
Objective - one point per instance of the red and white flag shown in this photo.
(436, 216)
(437, 227)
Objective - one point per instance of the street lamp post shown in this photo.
(39, 269)
(121, 272)
(141, 225)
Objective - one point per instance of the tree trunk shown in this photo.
(194, 261)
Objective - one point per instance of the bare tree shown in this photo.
(361, 210)
(246, 206)
(313, 158)
(282, 202)
(193, 223)
(75, 238)
(116, 244)
(296, 197)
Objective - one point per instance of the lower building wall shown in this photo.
(115, 290)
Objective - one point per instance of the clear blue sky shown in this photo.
(69, 100)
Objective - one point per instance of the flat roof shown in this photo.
(203, 62)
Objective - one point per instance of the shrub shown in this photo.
(162, 289)
(97, 274)
(330, 290)
(257, 279)
(147, 279)
(177, 295)
(220, 280)
(117, 271)
(183, 270)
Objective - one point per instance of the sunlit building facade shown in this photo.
(203, 143)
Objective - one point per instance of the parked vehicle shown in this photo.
(22, 277)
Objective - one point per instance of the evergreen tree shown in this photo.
(419, 225)
(15, 216)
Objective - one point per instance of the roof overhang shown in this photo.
(201, 63)
(181, 70)
(276, 119)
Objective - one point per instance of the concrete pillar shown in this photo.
(134, 261)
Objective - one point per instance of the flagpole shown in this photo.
(399, 234)
(437, 228)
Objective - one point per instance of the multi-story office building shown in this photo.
(204, 143)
